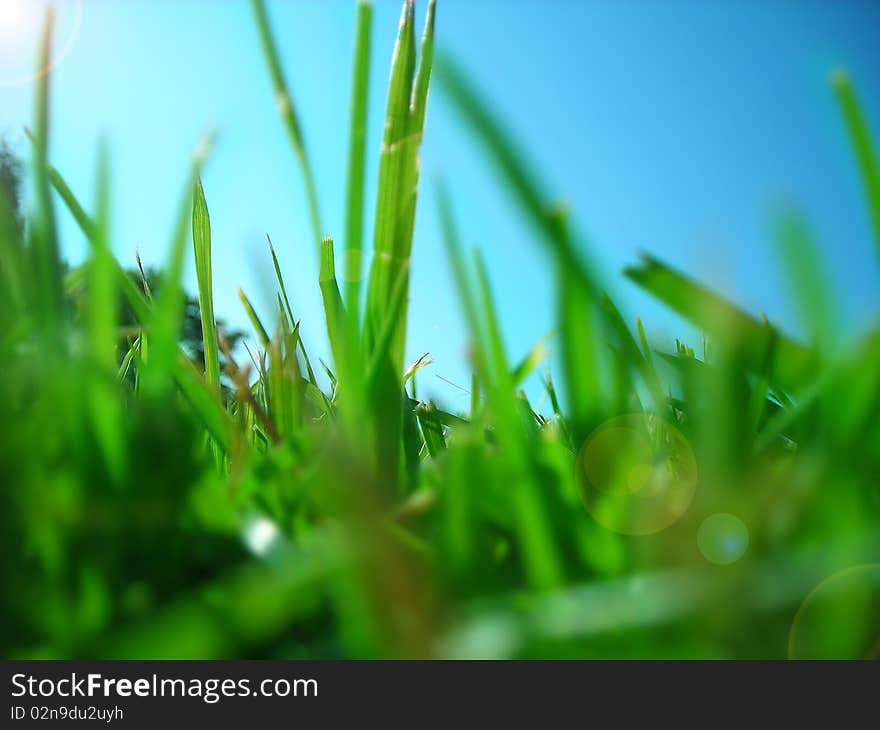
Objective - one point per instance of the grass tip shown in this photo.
(840, 78)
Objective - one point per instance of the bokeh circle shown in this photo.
(840, 619)
(722, 538)
(637, 474)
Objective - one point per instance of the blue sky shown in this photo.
(669, 126)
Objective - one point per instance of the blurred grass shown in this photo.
(158, 505)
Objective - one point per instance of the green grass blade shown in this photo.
(201, 232)
(762, 348)
(287, 110)
(578, 326)
(136, 299)
(860, 135)
(167, 315)
(389, 253)
(13, 263)
(127, 359)
(104, 404)
(333, 309)
(203, 399)
(807, 279)
(578, 293)
(43, 239)
(546, 215)
(432, 430)
(415, 130)
(82, 218)
(419, 101)
(475, 396)
(289, 311)
(466, 294)
(533, 358)
(255, 320)
(382, 347)
(626, 343)
(354, 217)
(539, 551)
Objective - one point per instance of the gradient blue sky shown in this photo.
(669, 126)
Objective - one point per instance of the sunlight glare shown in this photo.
(21, 24)
(12, 13)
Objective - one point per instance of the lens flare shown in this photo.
(637, 474)
(21, 24)
(840, 619)
(11, 14)
(722, 538)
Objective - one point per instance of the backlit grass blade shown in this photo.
(136, 299)
(287, 110)
(402, 179)
(204, 400)
(643, 340)
(435, 441)
(459, 504)
(333, 309)
(539, 553)
(578, 293)
(354, 215)
(389, 327)
(389, 253)
(255, 320)
(545, 214)
(82, 218)
(104, 404)
(629, 349)
(417, 111)
(419, 101)
(12, 260)
(392, 245)
(534, 357)
(578, 322)
(42, 233)
(127, 359)
(201, 233)
(284, 381)
(497, 355)
(860, 136)
(466, 294)
(475, 396)
(762, 347)
(806, 275)
(289, 310)
(167, 314)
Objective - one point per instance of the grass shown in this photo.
(152, 507)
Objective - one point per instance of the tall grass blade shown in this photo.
(289, 310)
(860, 136)
(287, 110)
(201, 233)
(43, 243)
(390, 252)
(262, 334)
(516, 173)
(104, 404)
(807, 278)
(167, 315)
(333, 308)
(762, 347)
(354, 217)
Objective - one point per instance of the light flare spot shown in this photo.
(260, 535)
(722, 538)
(637, 474)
